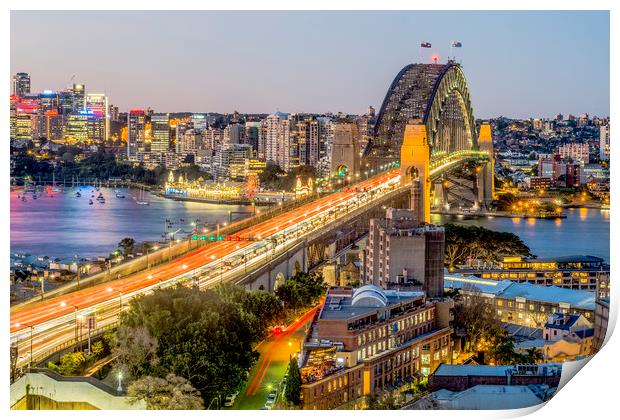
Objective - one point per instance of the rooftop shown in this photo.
(543, 369)
(507, 289)
(345, 303)
(489, 397)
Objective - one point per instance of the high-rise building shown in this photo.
(21, 84)
(402, 253)
(190, 142)
(213, 138)
(78, 97)
(252, 134)
(604, 142)
(160, 127)
(76, 128)
(135, 134)
(113, 112)
(234, 134)
(53, 123)
(200, 122)
(276, 139)
(96, 104)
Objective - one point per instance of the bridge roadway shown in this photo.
(53, 321)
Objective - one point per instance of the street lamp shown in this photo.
(120, 384)
(17, 324)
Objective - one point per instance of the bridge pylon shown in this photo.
(486, 176)
(414, 168)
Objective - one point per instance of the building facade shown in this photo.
(160, 128)
(577, 272)
(403, 253)
(366, 341)
(136, 122)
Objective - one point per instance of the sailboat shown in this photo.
(55, 187)
(141, 200)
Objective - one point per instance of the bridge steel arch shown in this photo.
(436, 94)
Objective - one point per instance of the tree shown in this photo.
(135, 350)
(293, 383)
(475, 319)
(171, 393)
(70, 364)
(127, 244)
(270, 174)
(301, 290)
(200, 337)
(466, 243)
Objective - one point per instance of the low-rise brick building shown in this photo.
(366, 341)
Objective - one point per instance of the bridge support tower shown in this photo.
(414, 168)
(345, 151)
(486, 176)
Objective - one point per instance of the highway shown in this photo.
(268, 372)
(53, 322)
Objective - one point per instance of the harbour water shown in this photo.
(584, 231)
(62, 225)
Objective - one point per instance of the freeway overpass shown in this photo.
(412, 121)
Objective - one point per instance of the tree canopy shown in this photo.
(465, 243)
(203, 336)
(169, 393)
(301, 290)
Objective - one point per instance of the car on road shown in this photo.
(279, 329)
(230, 400)
(271, 400)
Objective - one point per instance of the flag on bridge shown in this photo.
(457, 44)
(425, 45)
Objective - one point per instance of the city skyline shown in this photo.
(280, 79)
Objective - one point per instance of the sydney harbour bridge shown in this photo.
(426, 142)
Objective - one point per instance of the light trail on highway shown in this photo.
(54, 320)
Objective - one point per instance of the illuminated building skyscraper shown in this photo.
(78, 96)
(21, 84)
(96, 105)
(135, 134)
(160, 127)
(200, 122)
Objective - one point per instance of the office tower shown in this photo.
(53, 125)
(76, 128)
(604, 142)
(200, 122)
(78, 97)
(96, 104)
(402, 253)
(160, 128)
(113, 112)
(21, 84)
(252, 134)
(49, 100)
(370, 112)
(135, 134)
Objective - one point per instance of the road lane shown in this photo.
(58, 312)
(275, 352)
